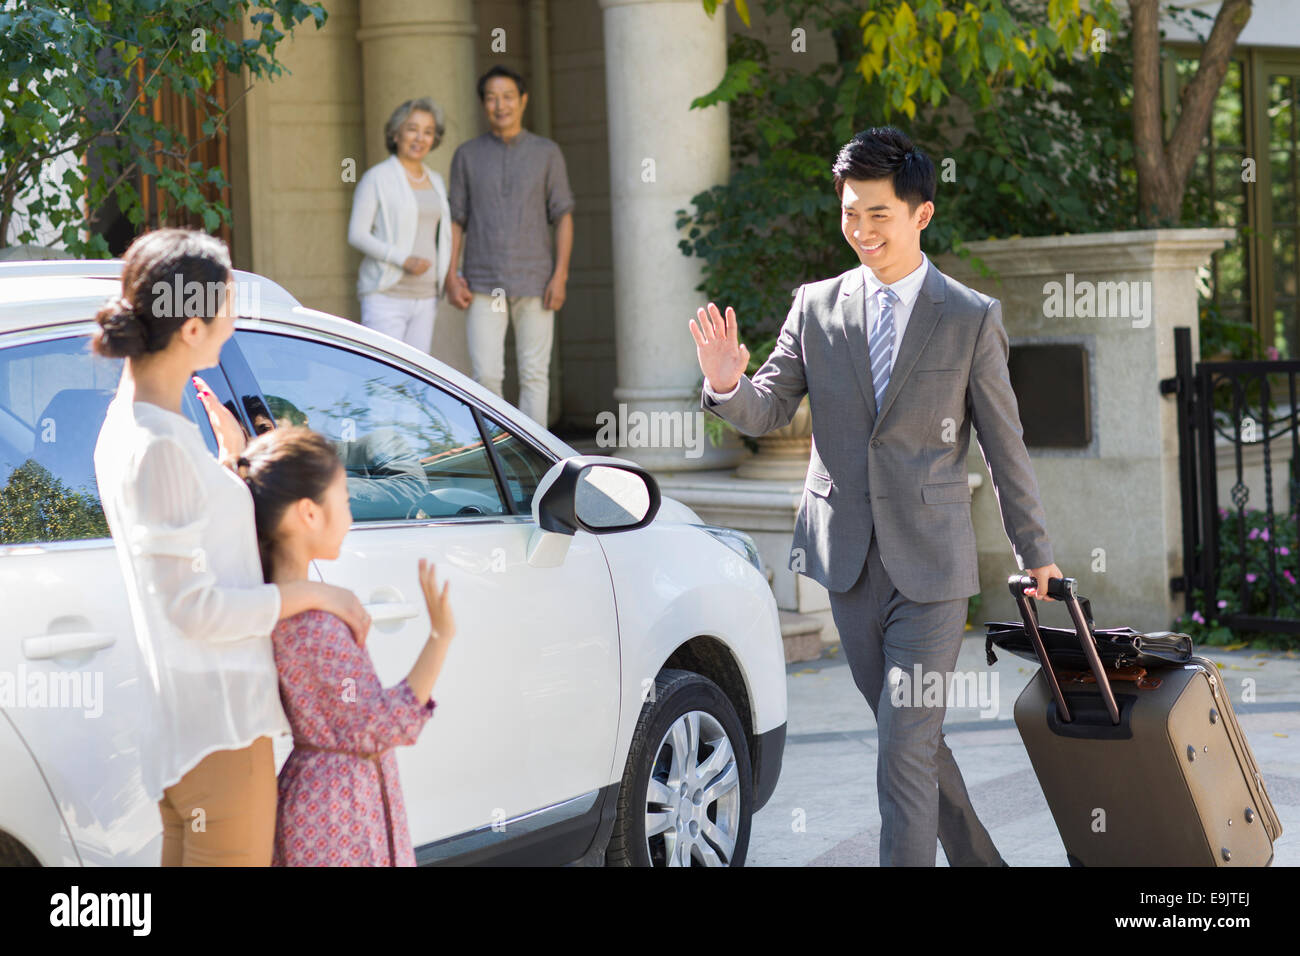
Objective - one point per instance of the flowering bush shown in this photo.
(1245, 545)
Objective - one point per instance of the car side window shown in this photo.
(522, 465)
(53, 398)
(411, 451)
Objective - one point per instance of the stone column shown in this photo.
(659, 56)
(1113, 508)
(415, 48)
(412, 48)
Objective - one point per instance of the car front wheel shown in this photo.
(687, 792)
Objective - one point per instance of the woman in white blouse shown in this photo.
(184, 531)
(401, 221)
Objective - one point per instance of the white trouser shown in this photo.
(485, 328)
(410, 320)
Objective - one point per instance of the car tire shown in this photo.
(13, 853)
(702, 820)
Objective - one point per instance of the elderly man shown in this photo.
(508, 187)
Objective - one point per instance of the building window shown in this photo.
(1247, 178)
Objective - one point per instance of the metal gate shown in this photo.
(1241, 561)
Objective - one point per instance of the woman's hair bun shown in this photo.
(121, 333)
(140, 319)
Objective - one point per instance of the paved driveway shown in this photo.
(824, 812)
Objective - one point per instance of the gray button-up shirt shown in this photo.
(506, 196)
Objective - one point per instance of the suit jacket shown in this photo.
(902, 469)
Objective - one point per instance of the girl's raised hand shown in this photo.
(440, 617)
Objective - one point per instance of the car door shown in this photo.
(527, 704)
(69, 675)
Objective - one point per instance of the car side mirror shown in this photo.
(589, 493)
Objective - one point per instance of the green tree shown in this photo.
(1049, 156)
(80, 77)
(1029, 109)
(36, 506)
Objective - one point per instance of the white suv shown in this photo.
(618, 692)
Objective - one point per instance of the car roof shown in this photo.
(37, 293)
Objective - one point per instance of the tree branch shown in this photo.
(1148, 138)
(1198, 102)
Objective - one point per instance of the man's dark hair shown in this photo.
(501, 71)
(884, 152)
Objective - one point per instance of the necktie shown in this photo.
(881, 345)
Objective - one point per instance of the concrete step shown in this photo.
(801, 635)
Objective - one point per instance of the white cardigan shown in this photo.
(385, 215)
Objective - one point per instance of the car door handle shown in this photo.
(58, 645)
(391, 611)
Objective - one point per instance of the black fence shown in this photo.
(1241, 564)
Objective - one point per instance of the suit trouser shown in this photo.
(222, 813)
(485, 328)
(921, 792)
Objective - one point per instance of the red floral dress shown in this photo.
(332, 808)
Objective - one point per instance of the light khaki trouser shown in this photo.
(485, 329)
(222, 813)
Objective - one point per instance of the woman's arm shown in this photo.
(299, 596)
(170, 539)
(365, 203)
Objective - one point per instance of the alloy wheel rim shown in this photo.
(692, 813)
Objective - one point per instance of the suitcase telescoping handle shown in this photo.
(1062, 589)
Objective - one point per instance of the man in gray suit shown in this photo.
(898, 361)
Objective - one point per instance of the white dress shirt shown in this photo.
(184, 532)
(906, 289)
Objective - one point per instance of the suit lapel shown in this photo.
(851, 306)
(926, 313)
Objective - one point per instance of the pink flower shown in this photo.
(1251, 577)
(1222, 604)
(1271, 352)
(1254, 533)
(1289, 576)
(1283, 550)
(1264, 534)
(1196, 616)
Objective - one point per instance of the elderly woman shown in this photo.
(401, 221)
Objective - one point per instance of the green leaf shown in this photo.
(992, 56)
(735, 82)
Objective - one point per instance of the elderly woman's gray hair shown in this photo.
(422, 104)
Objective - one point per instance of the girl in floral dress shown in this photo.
(340, 801)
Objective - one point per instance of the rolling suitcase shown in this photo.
(1140, 766)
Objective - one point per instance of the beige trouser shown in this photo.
(485, 328)
(407, 319)
(222, 813)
